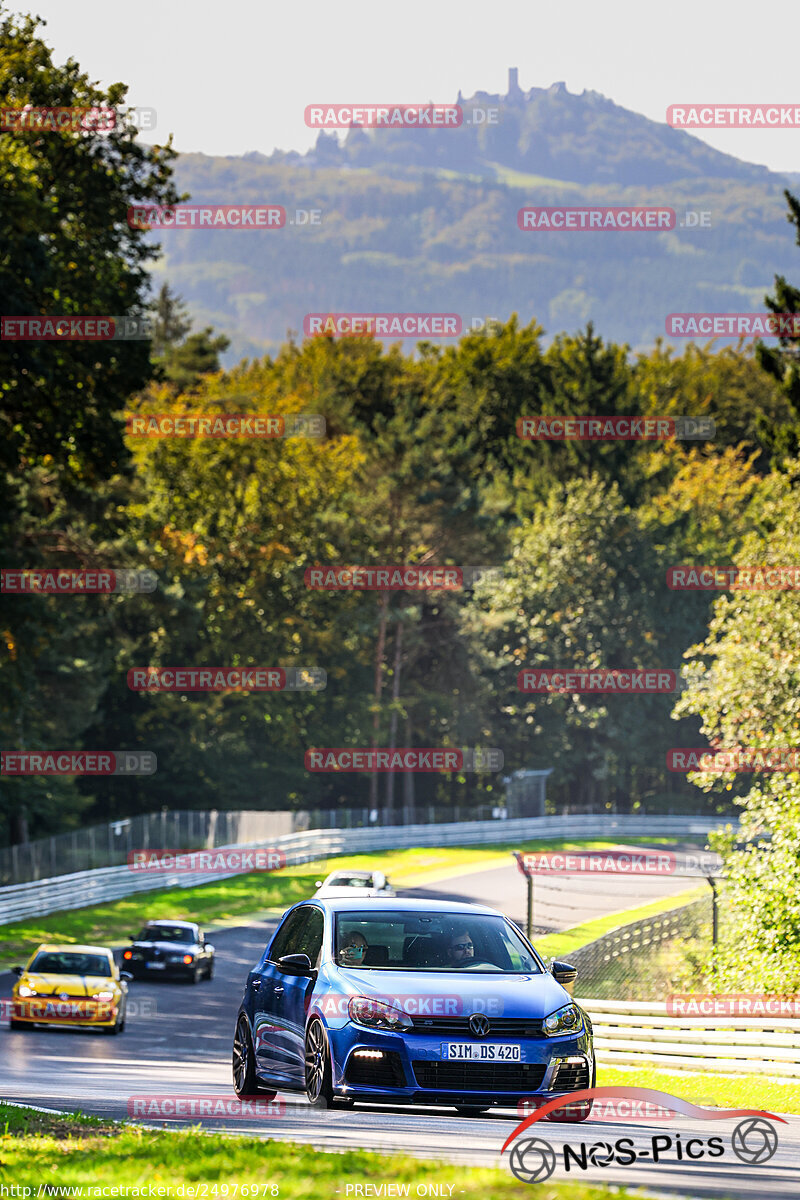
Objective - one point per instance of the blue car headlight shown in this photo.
(564, 1020)
(376, 1014)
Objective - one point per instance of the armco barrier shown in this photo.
(78, 890)
(639, 1032)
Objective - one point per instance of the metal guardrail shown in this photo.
(83, 888)
(633, 1032)
(108, 845)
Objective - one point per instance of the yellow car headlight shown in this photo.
(103, 995)
(24, 990)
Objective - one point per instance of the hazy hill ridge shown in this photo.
(582, 138)
(426, 221)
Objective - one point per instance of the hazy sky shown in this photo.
(236, 75)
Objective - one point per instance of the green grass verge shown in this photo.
(229, 901)
(38, 1149)
(561, 944)
(722, 1091)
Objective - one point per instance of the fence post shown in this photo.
(714, 917)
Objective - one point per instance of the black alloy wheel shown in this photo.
(319, 1074)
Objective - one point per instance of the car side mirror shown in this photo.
(126, 975)
(295, 964)
(17, 971)
(565, 974)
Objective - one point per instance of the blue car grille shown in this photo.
(509, 1027)
(479, 1076)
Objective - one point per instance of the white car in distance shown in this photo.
(355, 883)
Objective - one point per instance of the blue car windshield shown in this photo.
(430, 941)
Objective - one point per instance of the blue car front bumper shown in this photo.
(412, 1067)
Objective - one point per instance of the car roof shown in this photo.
(404, 904)
(167, 921)
(352, 875)
(53, 948)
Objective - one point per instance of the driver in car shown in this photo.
(352, 950)
(460, 950)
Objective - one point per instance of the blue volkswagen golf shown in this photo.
(409, 1001)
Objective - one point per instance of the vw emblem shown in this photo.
(479, 1025)
(532, 1160)
(63, 996)
(754, 1140)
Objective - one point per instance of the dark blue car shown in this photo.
(409, 1001)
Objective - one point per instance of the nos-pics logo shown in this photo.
(754, 1140)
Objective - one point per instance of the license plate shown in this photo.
(482, 1051)
(156, 966)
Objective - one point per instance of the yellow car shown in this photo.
(70, 985)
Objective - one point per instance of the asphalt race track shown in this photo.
(178, 1043)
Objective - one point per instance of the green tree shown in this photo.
(743, 685)
(782, 362)
(180, 359)
(66, 249)
(171, 321)
(583, 588)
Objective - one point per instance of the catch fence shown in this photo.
(79, 889)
